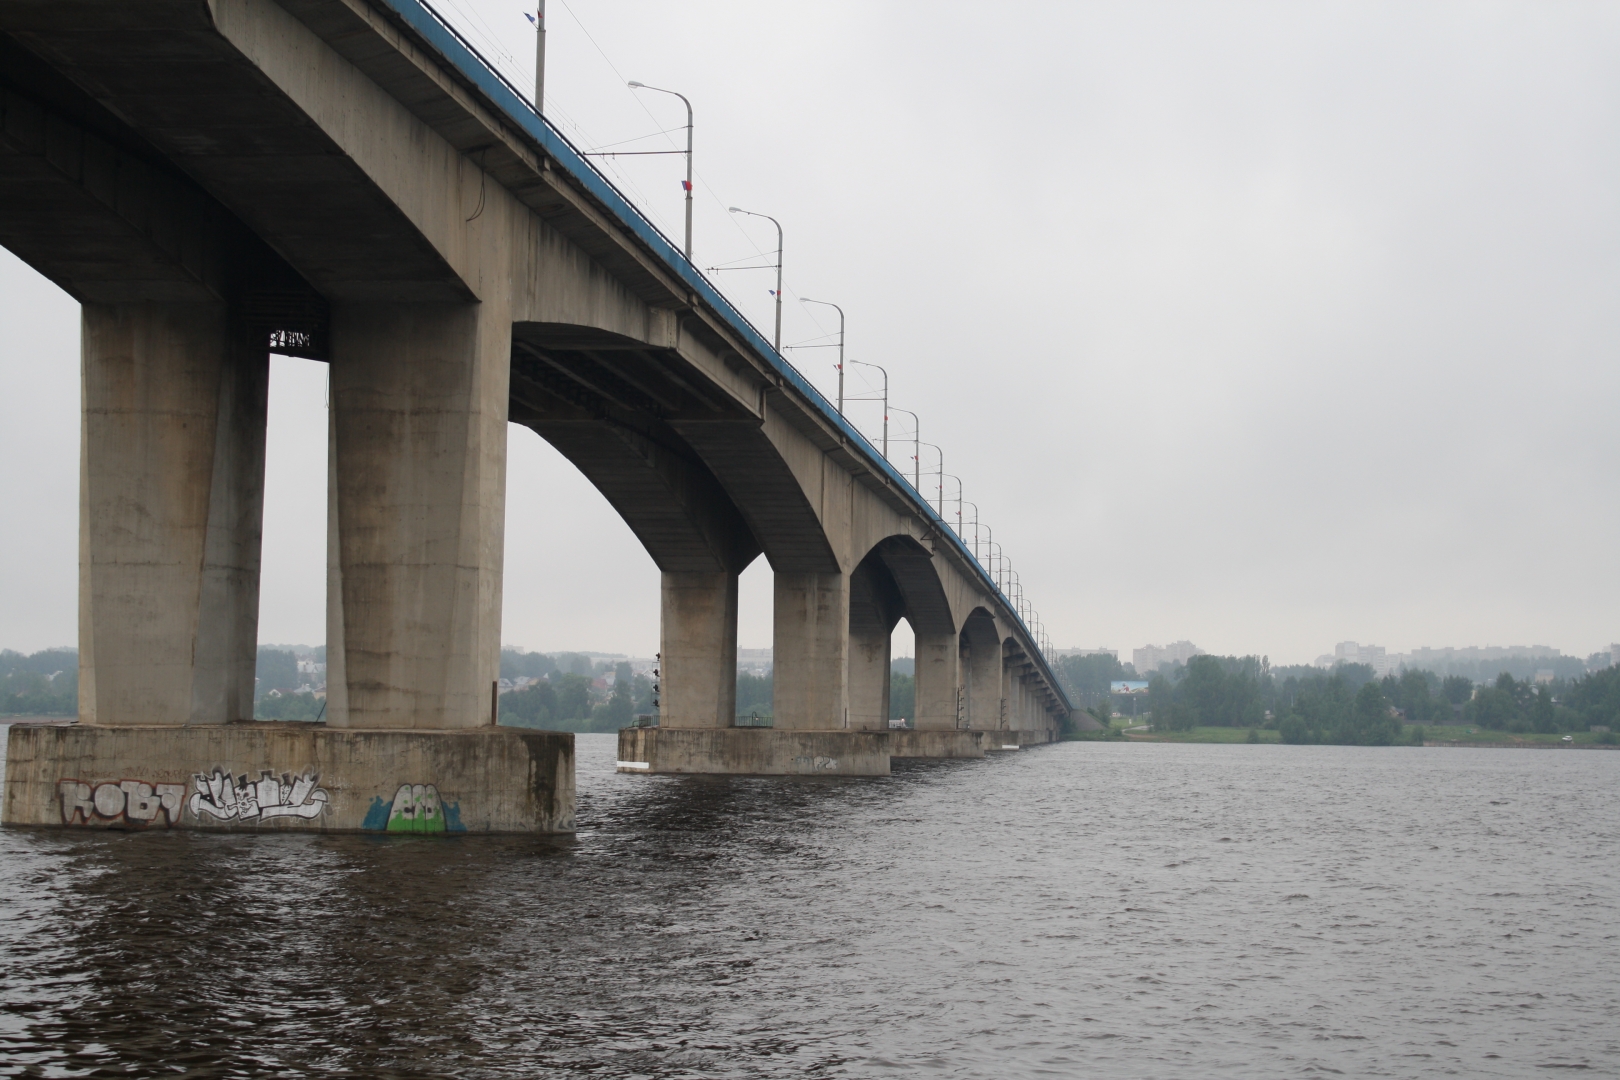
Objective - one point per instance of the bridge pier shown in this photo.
(419, 396)
(171, 509)
(939, 687)
(810, 652)
(697, 662)
(171, 505)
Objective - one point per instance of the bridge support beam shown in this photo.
(419, 402)
(939, 688)
(981, 673)
(697, 682)
(869, 679)
(810, 652)
(170, 514)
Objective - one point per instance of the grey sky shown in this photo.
(1265, 325)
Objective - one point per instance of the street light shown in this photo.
(958, 480)
(975, 528)
(941, 487)
(916, 449)
(835, 307)
(643, 86)
(863, 363)
(777, 344)
(539, 21)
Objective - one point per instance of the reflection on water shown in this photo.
(1086, 909)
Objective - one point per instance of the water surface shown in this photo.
(1089, 909)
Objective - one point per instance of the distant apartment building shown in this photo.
(1374, 656)
(1153, 657)
(1441, 661)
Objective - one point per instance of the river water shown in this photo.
(1088, 909)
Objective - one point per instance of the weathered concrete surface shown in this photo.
(697, 658)
(171, 502)
(1017, 740)
(939, 744)
(754, 752)
(419, 394)
(263, 776)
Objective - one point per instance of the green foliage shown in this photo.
(1327, 710)
(1523, 708)
(289, 707)
(902, 696)
(1212, 691)
(534, 706)
(1086, 679)
(1595, 700)
(516, 664)
(276, 670)
(574, 664)
(614, 713)
(754, 693)
(43, 684)
(1413, 693)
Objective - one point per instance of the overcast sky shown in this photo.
(1263, 325)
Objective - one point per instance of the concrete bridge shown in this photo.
(345, 180)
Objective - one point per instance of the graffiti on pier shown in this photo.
(417, 808)
(223, 798)
(126, 803)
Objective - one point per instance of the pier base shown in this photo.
(263, 776)
(754, 752)
(938, 744)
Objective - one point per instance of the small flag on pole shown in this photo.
(531, 19)
(685, 186)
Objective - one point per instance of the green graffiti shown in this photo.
(416, 809)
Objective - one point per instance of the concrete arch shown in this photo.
(897, 577)
(875, 606)
(911, 566)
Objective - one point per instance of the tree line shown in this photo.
(1350, 705)
(45, 683)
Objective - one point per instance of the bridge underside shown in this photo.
(214, 180)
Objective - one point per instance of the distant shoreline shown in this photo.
(1462, 744)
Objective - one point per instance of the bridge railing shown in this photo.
(427, 22)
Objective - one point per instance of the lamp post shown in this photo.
(916, 448)
(835, 307)
(688, 184)
(975, 529)
(941, 488)
(958, 480)
(863, 363)
(777, 343)
(539, 20)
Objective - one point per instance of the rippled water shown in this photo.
(1080, 910)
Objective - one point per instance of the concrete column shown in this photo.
(938, 680)
(810, 651)
(981, 673)
(337, 685)
(419, 400)
(171, 495)
(697, 685)
(869, 679)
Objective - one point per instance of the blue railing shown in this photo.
(517, 109)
